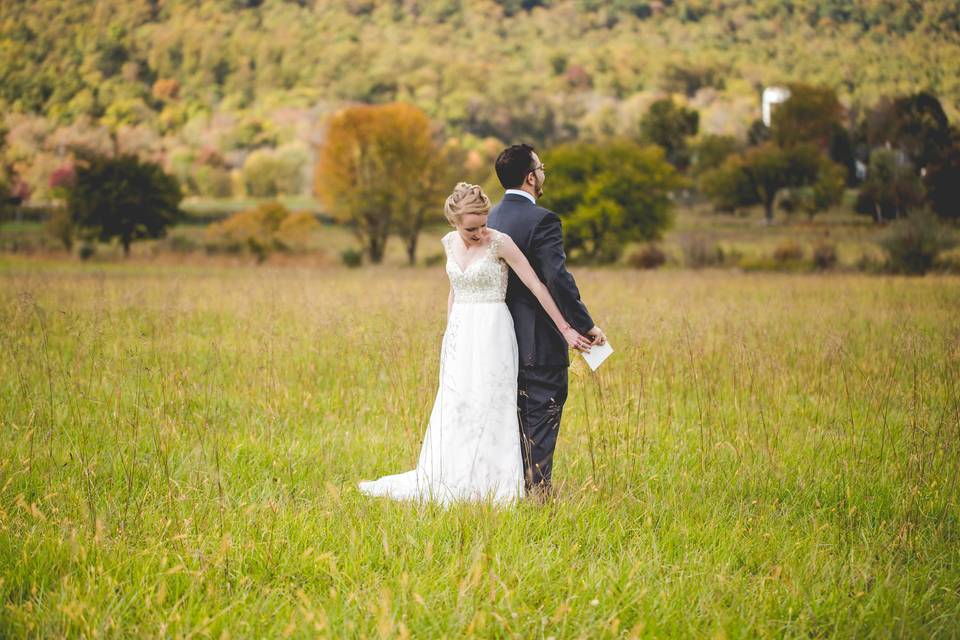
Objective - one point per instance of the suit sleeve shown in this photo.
(547, 251)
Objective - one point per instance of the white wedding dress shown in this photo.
(471, 450)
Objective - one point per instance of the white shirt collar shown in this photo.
(520, 192)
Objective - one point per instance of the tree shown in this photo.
(60, 224)
(841, 151)
(711, 151)
(758, 133)
(381, 169)
(917, 126)
(771, 169)
(943, 180)
(668, 125)
(123, 197)
(729, 186)
(6, 194)
(762, 172)
(892, 187)
(268, 173)
(609, 194)
(9, 198)
(810, 115)
(420, 200)
(827, 190)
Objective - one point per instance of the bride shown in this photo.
(471, 450)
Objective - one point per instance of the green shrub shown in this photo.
(871, 263)
(948, 261)
(788, 251)
(87, 250)
(699, 252)
(351, 257)
(181, 244)
(824, 255)
(913, 242)
(650, 256)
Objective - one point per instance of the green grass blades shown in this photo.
(764, 456)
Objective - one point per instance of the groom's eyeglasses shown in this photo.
(540, 167)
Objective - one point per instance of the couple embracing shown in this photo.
(513, 312)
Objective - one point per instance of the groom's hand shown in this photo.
(597, 336)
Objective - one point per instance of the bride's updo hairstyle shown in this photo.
(466, 198)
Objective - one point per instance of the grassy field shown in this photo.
(764, 456)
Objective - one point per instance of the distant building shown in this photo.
(773, 96)
(861, 170)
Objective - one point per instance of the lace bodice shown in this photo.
(484, 279)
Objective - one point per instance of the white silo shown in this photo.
(772, 96)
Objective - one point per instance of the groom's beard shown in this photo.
(538, 188)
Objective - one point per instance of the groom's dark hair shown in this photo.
(513, 165)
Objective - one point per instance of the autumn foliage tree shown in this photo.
(266, 228)
(382, 170)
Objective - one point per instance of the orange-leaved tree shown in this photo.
(383, 170)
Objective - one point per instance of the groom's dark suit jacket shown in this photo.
(538, 234)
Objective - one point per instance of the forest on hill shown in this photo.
(209, 86)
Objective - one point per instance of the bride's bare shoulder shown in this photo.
(502, 244)
(500, 238)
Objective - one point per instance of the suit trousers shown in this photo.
(541, 392)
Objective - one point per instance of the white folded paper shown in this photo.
(598, 353)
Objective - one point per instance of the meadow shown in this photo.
(765, 455)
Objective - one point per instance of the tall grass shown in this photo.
(764, 456)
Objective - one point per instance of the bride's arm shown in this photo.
(510, 252)
(449, 302)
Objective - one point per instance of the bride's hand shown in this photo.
(575, 340)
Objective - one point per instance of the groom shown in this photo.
(542, 382)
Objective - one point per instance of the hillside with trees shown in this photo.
(251, 101)
(231, 95)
